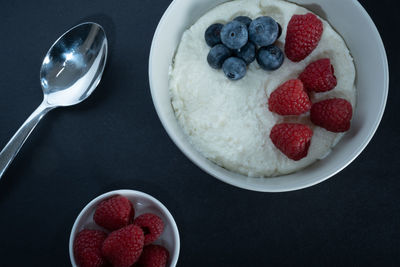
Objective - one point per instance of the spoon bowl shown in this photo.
(71, 70)
(73, 66)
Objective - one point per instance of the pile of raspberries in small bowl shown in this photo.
(112, 235)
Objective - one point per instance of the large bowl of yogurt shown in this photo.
(241, 156)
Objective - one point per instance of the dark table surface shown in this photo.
(114, 140)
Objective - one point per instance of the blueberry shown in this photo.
(234, 35)
(263, 31)
(244, 19)
(213, 34)
(234, 68)
(279, 31)
(217, 56)
(270, 57)
(247, 53)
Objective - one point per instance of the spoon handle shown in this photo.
(14, 145)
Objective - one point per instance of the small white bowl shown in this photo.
(142, 203)
(350, 19)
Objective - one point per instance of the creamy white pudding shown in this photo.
(229, 121)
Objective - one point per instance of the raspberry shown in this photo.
(123, 247)
(152, 226)
(319, 76)
(303, 35)
(153, 256)
(292, 139)
(114, 213)
(333, 114)
(289, 99)
(87, 248)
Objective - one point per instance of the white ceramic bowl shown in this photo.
(142, 203)
(350, 19)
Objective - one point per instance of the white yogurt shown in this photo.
(229, 122)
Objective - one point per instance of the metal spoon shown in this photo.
(70, 72)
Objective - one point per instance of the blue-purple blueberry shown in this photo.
(247, 53)
(263, 31)
(217, 55)
(213, 34)
(234, 35)
(270, 57)
(244, 19)
(234, 68)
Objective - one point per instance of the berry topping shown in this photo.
(240, 39)
(263, 31)
(270, 58)
(114, 213)
(244, 19)
(123, 247)
(217, 55)
(289, 99)
(292, 139)
(213, 34)
(303, 35)
(247, 53)
(234, 35)
(87, 248)
(152, 226)
(333, 114)
(234, 68)
(319, 76)
(153, 256)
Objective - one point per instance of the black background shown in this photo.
(114, 140)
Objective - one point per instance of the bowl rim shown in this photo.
(189, 155)
(175, 255)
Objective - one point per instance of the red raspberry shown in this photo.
(292, 139)
(87, 248)
(123, 247)
(152, 226)
(289, 99)
(332, 114)
(303, 35)
(114, 213)
(319, 76)
(153, 256)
